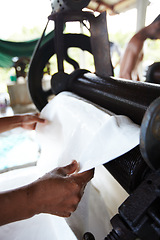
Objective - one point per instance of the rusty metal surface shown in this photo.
(138, 216)
(100, 46)
(141, 210)
(59, 42)
(99, 38)
(133, 167)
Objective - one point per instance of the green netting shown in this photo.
(9, 50)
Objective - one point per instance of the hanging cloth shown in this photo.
(9, 49)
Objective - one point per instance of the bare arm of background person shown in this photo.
(134, 50)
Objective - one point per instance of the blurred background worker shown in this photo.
(133, 55)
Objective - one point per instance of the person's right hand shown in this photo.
(59, 191)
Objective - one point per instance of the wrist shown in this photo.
(14, 121)
(32, 203)
(35, 193)
(19, 120)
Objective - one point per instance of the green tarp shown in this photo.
(9, 50)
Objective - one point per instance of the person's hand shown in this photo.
(29, 121)
(59, 191)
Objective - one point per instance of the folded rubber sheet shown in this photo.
(79, 130)
(76, 129)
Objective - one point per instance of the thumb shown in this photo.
(71, 168)
(85, 177)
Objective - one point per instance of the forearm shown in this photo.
(16, 205)
(132, 55)
(26, 121)
(9, 123)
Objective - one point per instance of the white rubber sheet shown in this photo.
(77, 130)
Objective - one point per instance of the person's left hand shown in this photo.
(29, 121)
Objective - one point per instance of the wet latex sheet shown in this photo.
(76, 129)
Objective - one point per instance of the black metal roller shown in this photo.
(150, 135)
